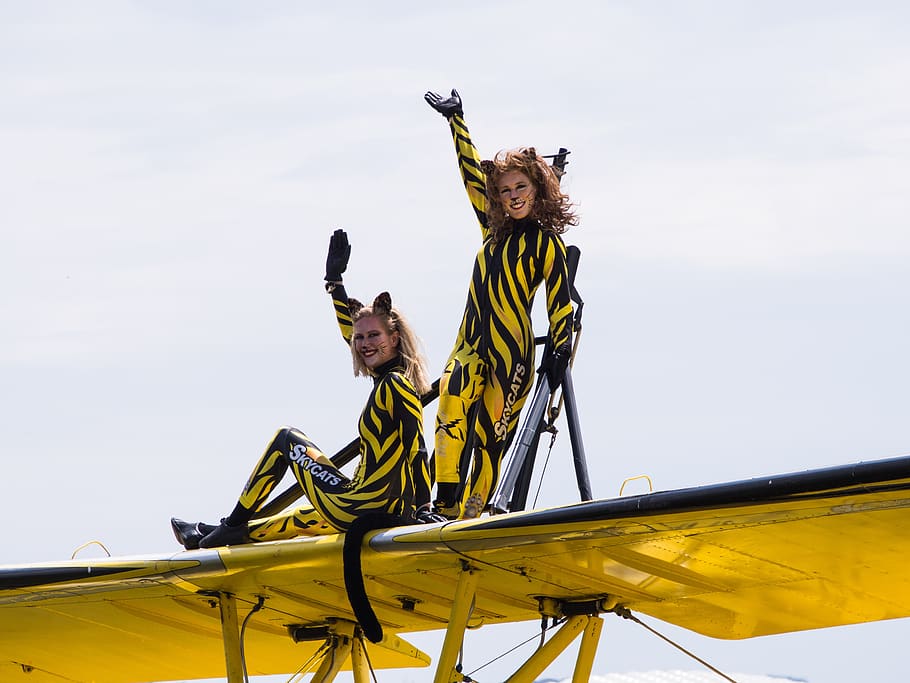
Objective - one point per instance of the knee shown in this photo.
(285, 439)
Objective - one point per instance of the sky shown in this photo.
(171, 173)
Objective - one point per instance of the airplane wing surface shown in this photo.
(769, 555)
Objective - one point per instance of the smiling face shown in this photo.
(516, 192)
(373, 342)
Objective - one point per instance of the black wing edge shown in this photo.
(26, 577)
(892, 474)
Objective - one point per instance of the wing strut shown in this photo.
(462, 605)
(230, 635)
(589, 625)
(345, 641)
(580, 618)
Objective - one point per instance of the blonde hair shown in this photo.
(409, 347)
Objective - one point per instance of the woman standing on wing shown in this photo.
(392, 477)
(522, 213)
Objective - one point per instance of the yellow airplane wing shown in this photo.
(770, 555)
(163, 618)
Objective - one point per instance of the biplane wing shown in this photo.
(769, 555)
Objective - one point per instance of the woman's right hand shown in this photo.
(447, 106)
(336, 262)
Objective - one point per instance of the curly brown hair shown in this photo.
(551, 207)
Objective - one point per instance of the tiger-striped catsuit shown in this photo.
(493, 357)
(391, 477)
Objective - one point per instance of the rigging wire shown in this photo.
(553, 432)
(625, 613)
(519, 645)
(304, 668)
(260, 601)
(366, 655)
(460, 662)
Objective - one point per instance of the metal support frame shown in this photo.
(578, 448)
(584, 664)
(360, 664)
(462, 605)
(528, 431)
(343, 639)
(581, 619)
(230, 636)
(508, 497)
(523, 485)
(585, 622)
(544, 656)
(340, 648)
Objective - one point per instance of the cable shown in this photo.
(460, 662)
(366, 655)
(510, 651)
(304, 668)
(546, 462)
(260, 601)
(625, 613)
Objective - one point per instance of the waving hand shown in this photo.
(447, 106)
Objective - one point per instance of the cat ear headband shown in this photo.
(381, 304)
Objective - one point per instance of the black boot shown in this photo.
(223, 534)
(189, 534)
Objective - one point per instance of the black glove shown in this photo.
(554, 365)
(337, 260)
(448, 106)
(426, 515)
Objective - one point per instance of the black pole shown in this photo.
(523, 485)
(528, 432)
(578, 448)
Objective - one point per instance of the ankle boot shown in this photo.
(188, 534)
(223, 534)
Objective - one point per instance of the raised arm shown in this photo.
(336, 262)
(468, 159)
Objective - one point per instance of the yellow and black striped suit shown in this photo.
(391, 478)
(493, 358)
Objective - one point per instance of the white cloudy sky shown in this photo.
(171, 172)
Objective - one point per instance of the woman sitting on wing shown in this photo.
(391, 478)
